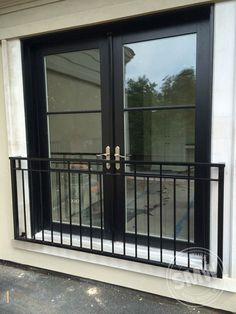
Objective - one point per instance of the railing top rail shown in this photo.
(125, 162)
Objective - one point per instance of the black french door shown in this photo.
(162, 110)
(133, 92)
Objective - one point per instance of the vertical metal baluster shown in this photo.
(148, 219)
(69, 190)
(101, 206)
(112, 233)
(188, 215)
(41, 202)
(125, 214)
(24, 209)
(174, 182)
(15, 197)
(220, 222)
(80, 208)
(60, 209)
(135, 209)
(90, 207)
(204, 183)
(203, 261)
(50, 192)
(161, 246)
(32, 200)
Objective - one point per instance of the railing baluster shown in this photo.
(148, 219)
(69, 191)
(161, 244)
(135, 209)
(220, 222)
(90, 208)
(80, 209)
(41, 204)
(125, 179)
(24, 208)
(101, 212)
(174, 183)
(188, 209)
(50, 192)
(203, 261)
(32, 209)
(60, 209)
(14, 197)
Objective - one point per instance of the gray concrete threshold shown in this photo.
(27, 290)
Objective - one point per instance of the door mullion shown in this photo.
(119, 206)
(107, 132)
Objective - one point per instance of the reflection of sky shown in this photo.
(157, 59)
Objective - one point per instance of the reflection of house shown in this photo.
(144, 81)
(73, 84)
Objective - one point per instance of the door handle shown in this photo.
(107, 155)
(118, 156)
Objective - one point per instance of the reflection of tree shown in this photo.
(175, 90)
(179, 89)
(141, 92)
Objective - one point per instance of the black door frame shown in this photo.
(112, 36)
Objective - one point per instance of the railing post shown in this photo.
(14, 197)
(220, 222)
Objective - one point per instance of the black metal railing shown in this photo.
(144, 211)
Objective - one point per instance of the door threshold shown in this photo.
(118, 248)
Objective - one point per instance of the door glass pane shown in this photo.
(153, 213)
(160, 73)
(73, 84)
(80, 199)
(162, 135)
(73, 133)
(73, 81)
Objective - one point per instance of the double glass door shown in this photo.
(130, 97)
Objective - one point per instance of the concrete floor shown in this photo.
(24, 291)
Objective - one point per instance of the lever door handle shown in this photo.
(118, 156)
(107, 154)
(100, 155)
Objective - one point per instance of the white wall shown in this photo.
(223, 119)
(73, 13)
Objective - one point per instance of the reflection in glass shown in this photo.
(160, 72)
(162, 135)
(154, 208)
(80, 199)
(73, 133)
(73, 81)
